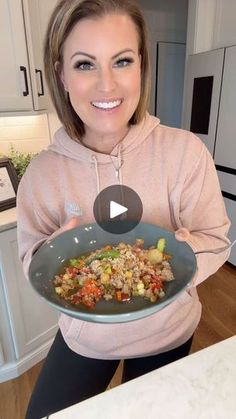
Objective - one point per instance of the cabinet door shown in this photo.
(231, 211)
(15, 88)
(33, 322)
(225, 152)
(170, 83)
(202, 95)
(35, 48)
(37, 14)
(7, 352)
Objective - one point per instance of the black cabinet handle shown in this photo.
(41, 81)
(26, 92)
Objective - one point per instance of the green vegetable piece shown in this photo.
(75, 262)
(105, 255)
(108, 254)
(161, 244)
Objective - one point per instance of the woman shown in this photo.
(97, 67)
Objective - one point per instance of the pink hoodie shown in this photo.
(174, 175)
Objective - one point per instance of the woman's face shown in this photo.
(102, 73)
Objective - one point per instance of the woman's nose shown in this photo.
(106, 82)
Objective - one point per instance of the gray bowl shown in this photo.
(52, 257)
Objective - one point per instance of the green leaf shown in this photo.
(20, 160)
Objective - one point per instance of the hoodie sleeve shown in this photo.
(199, 212)
(34, 226)
(202, 212)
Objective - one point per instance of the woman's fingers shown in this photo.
(74, 222)
(182, 234)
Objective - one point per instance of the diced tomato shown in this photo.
(89, 294)
(72, 270)
(155, 287)
(108, 247)
(75, 299)
(121, 296)
(118, 295)
(156, 281)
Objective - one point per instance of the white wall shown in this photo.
(27, 134)
(167, 22)
(167, 19)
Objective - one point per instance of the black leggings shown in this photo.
(68, 378)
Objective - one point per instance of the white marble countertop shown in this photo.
(200, 386)
(7, 219)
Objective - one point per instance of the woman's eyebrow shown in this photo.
(123, 52)
(94, 58)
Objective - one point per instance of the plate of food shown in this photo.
(97, 276)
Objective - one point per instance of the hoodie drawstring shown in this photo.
(117, 165)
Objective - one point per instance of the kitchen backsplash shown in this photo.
(27, 134)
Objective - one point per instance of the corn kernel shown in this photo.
(128, 274)
(140, 286)
(59, 290)
(104, 278)
(108, 270)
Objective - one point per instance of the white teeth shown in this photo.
(107, 105)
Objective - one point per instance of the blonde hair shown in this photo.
(65, 16)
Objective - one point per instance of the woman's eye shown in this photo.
(83, 65)
(124, 62)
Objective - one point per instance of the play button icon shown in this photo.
(118, 209)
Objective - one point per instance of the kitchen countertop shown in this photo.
(7, 219)
(200, 386)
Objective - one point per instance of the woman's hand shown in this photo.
(182, 234)
(74, 222)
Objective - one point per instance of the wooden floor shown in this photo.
(218, 297)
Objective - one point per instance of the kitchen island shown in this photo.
(7, 219)
(200, 386)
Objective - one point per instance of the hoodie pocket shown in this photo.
(72, 328)
(186, 297)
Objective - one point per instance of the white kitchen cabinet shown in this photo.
(231, 211)
(34, 36)
(225, 150)
(28, 323)
(22, 81)
(209, 111)
(170, 82)
(15, 87)
(202, 95)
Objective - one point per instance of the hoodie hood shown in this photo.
(64, 145)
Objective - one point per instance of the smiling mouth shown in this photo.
(107, 105)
